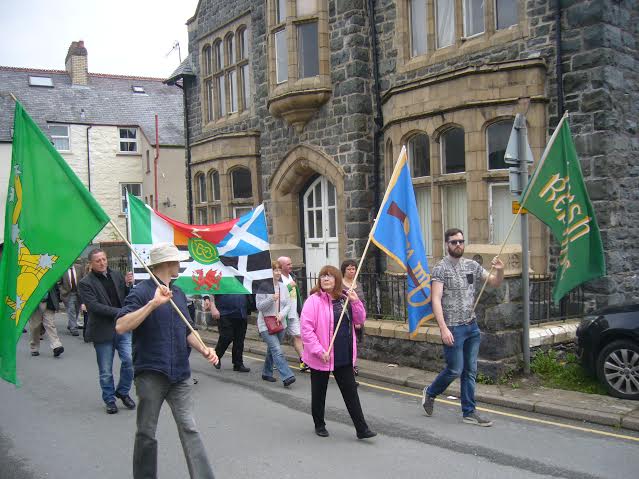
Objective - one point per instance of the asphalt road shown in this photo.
(54, 426)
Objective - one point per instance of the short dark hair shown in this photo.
(95, 251)
(452, 232)
(346, 264)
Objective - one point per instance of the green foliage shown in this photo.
(564, 373)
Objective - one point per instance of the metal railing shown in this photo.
(385, 297)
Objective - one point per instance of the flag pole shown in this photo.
(523, 201)
(368, 242)
(135, 253)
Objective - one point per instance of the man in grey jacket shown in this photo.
(103, 291)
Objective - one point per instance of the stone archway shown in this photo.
(298, 166)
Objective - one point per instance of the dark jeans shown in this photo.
(346, 382)
(461, 360)
(105, 353)
(153, 389)
(232, 330)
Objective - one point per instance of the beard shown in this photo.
(456, 252)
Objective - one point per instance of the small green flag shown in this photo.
(49, 220)
(557, 195)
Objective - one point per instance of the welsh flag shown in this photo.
(232, 257)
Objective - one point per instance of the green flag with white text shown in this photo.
(557, 195)
(50, 218)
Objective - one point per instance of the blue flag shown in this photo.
(397, 233)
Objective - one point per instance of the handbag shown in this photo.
(272, 324)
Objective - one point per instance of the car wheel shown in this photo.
(618, 369)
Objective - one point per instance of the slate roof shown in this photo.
(185, 69)
(106, 100)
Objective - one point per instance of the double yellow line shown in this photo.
(499, 413)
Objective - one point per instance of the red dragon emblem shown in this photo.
(210, 281)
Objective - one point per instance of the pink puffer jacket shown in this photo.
(316, 323)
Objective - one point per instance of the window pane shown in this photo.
(318, 224)
(331, 195)
(507, 14)
(418, 28)
(201, 184)
(243, 43)
(311, 223)
(419, 155)
(242, 187)
(306, 7)
(219, 56)
(221, 97)
(61, 144)
(425, 211)
(230, 49)
(215, 214)
(501, 216)
(308, 52)
(280, 14)
(318, 194)
(208, 91)
(498, 135)
(455, 215)
(215, 185)
(246, 90)
(281, 56)
(207, 61)
(59, 130)
(201, 216)
(134, 188)
(445, 23)
(473, 17)
(453, 151)
(233, 91)
(332, 223)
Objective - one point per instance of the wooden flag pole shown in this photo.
(135, 253)
(368, 242)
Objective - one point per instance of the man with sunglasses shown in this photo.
(454, 282)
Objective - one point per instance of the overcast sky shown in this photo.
(125, 37)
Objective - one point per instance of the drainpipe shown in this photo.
(189, 188)
(378, 119)
(155, 160)
(559, 70)
(88, 159)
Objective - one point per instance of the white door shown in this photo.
(320, 226)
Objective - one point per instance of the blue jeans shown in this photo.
(274, 354)
(153, 389)
(105, 352)
(461, 360)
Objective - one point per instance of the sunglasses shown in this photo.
(456, 242)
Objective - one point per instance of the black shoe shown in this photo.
(111, 408)
(289, 381)
(366, 434)
(321, 431)
(270, 379)
(58, 351)
(80, 326)
(35, 353)
(74, 332)
(219, 364)
(126, 400)
(241, 369)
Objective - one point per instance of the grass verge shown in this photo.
(564, 373)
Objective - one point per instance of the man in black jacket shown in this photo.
(103, 291)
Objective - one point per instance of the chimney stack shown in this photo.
(76, 63)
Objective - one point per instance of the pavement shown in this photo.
(592, 408)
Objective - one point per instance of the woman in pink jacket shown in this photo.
(320, 315)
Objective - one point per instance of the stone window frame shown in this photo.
(239, 200)
(463, 45)
(293, 82)
(199, 180)
(216, 76)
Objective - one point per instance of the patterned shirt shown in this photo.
(458, 297)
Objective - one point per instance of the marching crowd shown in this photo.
(325, 330)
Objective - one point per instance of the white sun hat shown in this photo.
(165, 252)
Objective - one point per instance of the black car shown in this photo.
(608, 345)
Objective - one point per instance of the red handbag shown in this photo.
(272, 324)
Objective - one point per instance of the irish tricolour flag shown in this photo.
(226, 258)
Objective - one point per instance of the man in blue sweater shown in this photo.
(162, 343)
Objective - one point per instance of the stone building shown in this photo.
(104, 127)
(305, 105)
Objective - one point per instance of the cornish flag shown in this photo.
(232, 257)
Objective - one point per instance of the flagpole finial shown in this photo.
(14, 97)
